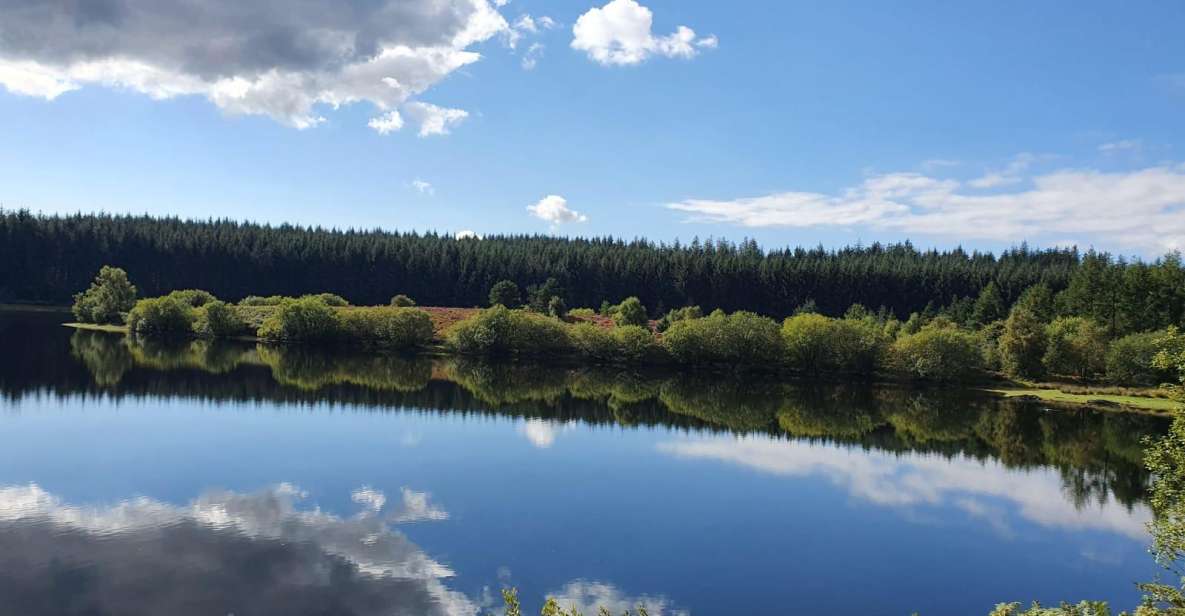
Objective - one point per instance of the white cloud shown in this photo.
(620, 33)
(465, 234)
(434, 120)
(423, 187)
(387, 123)
(588, 597)
(1122, 145)
(531, 58)
(554, 209)
(542, 433)
(1142, 209)
(909, 480)
(282, 60)
(547, 23)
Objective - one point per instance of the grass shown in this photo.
(1102, 400)
(99, 327)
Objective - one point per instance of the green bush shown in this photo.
(1131, 360)
(630, 312)
(635, 343)
(505, 293)
(106, 299)
(161, 316)
(1076, 346)
(193, 297)
(815, 343)
(593, 341)
(218, 320)
(329, 299)
(307, 319)
(270, 300)
(501, 331)
(583, 313)
(678, 314)
(402, 301)
(937, 352)
(387, 327)
(254, 316)
(740, 338)
(557, 308)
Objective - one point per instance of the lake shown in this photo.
(200, 478)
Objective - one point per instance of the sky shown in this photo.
(974, 124)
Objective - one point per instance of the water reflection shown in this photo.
(223, 553)
(1097, 456)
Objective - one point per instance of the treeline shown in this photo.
(48, 258)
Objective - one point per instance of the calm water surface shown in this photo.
(215, 479)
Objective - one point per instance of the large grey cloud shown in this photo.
(281, 58)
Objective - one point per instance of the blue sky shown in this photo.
(980, 124)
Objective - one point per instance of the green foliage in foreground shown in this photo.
(500, 331)
(817, 344)
(216, 319)
(740, 338)
(161, 316)
(937, 352)
(108, 296)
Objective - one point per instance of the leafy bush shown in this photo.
(1132, 360)
(557, 308)
(106, 299)
(635, 343)
(815, 343)
(304, 320)
(505, 293)
(1022, 345)
(678, 314)
(583, 313)
(593, 341)
(630, 312)
(329, 299)
(739, 338)
(270, 300)
(193, 297)
(937, 352)
(388, 327)
(218, 320)
(402, 301)
(1076, 346)
(161, 316)
(500, 331)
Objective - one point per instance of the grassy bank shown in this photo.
(1057, 397)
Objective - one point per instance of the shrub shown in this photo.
(388, 327)
(635, 343)
(304, 320)
(107, 298)
(161, 316)
(739, 338)
(1022, 345)
(271, 300)
(936, 353)
(1076, 346)
(678, 314)
(402, 301)
(593, 341)
(218, 320)
(1131, 360)
(500, 331)
(583, 313)
(194, 297)
(329, 299)
(557, 308)
(505, 293)
(815, 343)
(630, 312)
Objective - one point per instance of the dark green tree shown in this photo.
(109, 295)
(505, 293)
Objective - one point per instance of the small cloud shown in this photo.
(547, 23)
(422, 187)
(434, 120)
(1123, 145)
(619, 33)
(387, 123)
(468, 234)
(554, 209)
(531, 58)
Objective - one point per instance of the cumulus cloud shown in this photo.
(554, 209)
(434, 120)
(280, 59)
(1142, 209)
(466, 234)
(619, 33)
(543, 433)
(387, 123)
(243, 553)
(914, 479)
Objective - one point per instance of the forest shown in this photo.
(49, 258)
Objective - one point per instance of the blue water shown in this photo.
(188, 491)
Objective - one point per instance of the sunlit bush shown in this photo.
(501, 331)
(388, 327)
(161, 315)
(740, 338)
(937, 352)
(217, 320)
(303, 320)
